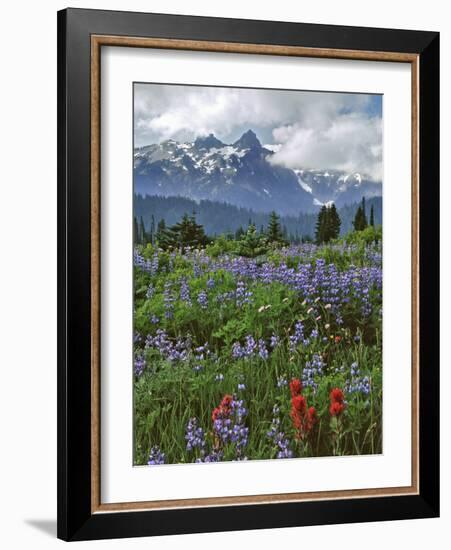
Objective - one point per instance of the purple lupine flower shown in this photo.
(275, 341)
(150, 291)
(313, 369)
(298, 335)
(262, 351)
(357, 383)
(139, 364)
(213, 456)
(242, 296)
(156, 456)
(202, 351)
(202, 299)
(314, 334)
(277, 437)
(229, 426)
(355, 369)
(237, 351)
(184, 292)
(154, 264)
(210, 283)
(250, 346)
(194, 436)
(168, 299)
(178, 350)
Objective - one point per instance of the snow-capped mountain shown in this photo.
(328, 186)
(242, 174)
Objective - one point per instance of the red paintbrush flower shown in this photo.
(311, 418)
(226, 401)
(295, 387)
(336, 408)
(299, 404)
(337, 395)
(216, 413)
(224, 409)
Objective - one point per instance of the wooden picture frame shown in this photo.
(81, 35)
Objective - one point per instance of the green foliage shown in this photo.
(251, 244)
(371, 234)
(220, 245)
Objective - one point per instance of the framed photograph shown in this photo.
(248, 274)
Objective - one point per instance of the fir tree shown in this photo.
(333, 223)
(327, 224)
(251, 244)
(360, 222)
(152, 229)
(239, 233)
(142, 231)
(372, 216)
(160, 235)
(274, 231)
(320, 228)
(186, 232)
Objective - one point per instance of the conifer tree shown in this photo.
(372, 216)
(186, 232)
(251, 244)
(333, 223)
(274, 231)
(160, 235)
(360, 222)
(327, 224)
(239, 233)
(152, 229)
(320, 228)
(142, 231)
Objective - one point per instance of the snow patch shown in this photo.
(302, 183)
(328, 204)
(274, 147)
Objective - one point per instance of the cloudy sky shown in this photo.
(320, 130)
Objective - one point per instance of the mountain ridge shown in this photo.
(243, 175)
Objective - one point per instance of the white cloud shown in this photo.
(310, 129)
(351, 142)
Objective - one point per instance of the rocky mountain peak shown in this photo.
(208, 142)
(247, 141)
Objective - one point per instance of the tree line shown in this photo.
(219, 218)
(188, 232)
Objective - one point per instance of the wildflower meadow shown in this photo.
(248, 347)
